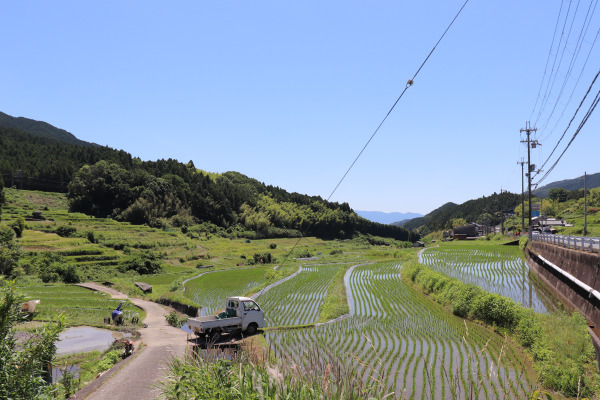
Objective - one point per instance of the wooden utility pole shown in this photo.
(522, 197)
(530, 143)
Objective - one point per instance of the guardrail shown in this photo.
(591, 244)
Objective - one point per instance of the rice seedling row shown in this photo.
(399, 339)
(76, 304)
(211, 289)
(493, 268)
(297, 300)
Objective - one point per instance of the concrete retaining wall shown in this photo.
(583, 266)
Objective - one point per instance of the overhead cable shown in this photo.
(568, 126)
(408, 84)
(581, 125)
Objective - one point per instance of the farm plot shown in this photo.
(399, 339)
(495, 269)
(78, 305)
(296, 301)
(210, 289)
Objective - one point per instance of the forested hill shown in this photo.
(40, 129)
(105, 182)
(45, 163)
(593, 180)
(485, 210)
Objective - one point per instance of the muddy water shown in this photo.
(83, 339)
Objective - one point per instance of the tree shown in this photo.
(1, 196)
(10, 252)
(558, 194)
(24, 367)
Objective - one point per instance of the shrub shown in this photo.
(91, 237)
(143, 263)
(465, 298)
(175, 320)
(23, 371)
(65, 231)
(273, 246)
(264, 258)
(18, 226)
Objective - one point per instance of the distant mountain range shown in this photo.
(593, 181)
(41, 129)
(387, 218)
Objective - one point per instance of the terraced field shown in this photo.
(78, 305)
(210, 289)
(297, 301)
(402, 341)
(497, 269)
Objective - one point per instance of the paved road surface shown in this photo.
(136, 379)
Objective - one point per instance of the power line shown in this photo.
(567, 128)
(575, 86)
(581, 125)
(547, 59)
(408, 84)
(578, 46)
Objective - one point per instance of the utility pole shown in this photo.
(522, 197)
(530, 144)
(585, 204)
(501, 215)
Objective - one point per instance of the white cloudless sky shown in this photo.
(289, 92)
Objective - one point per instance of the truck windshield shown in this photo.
(251, 306)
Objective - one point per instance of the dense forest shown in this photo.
(105, 182)
(48, 164)
(485, 210)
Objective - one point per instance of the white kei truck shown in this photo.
(241, 313)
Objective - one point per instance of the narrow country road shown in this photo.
(138, 377)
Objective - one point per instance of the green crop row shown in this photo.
(402, 342)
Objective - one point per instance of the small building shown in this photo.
(419, 243)
(468, 230)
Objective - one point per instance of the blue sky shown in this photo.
(289, 92)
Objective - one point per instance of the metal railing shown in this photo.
(591, 244)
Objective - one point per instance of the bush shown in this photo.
(65, 231)
(143, 263)
(91, 237)
(265, 258)
(23, 370)
(18, 226)
(175, 320)
(273, 246)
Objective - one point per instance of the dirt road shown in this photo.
(137, 378)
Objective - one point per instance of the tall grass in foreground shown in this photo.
(230, 374)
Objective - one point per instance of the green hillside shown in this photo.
(485, 210)
(593, 181)
(105, 182)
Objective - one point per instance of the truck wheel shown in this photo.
(251, 329)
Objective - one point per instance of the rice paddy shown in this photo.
(210, 289)
(497, 269)
(406, 343)
(297, 301)
(78, 306)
